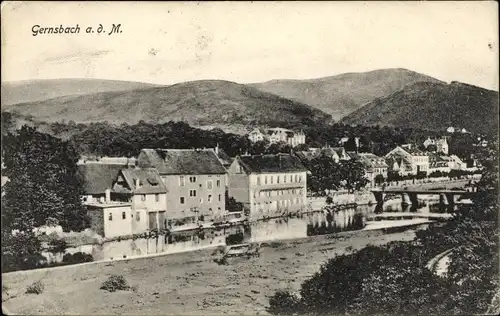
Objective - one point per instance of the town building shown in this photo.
(98, 176)
(195, 182)
(144, 189)
(452, 130)
(373, 164)
(268, 185)
(276, 135)
(399, 164)
(110, 218)
(455, 163)
(335, 153)
(438, 163)
(417, 159)
(440, 144)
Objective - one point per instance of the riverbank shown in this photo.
(188, 283)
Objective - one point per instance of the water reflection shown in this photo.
(310, 224)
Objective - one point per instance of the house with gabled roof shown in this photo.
(268, 185)
(373, 164)
(419, 160)
(195, 182)
(144, 189)
(98, 179)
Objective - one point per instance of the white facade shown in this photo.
(419, 160)
(276, 135)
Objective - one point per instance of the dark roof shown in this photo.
(149, 179)
(183, 161)
(223, 157)
(98, 177)
(271, 163)
(306, 155)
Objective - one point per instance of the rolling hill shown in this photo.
(206, 102)
(342, 94)
(433, 106)
(38, 90)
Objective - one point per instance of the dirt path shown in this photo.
(187, 283)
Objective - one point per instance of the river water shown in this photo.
(310, 224)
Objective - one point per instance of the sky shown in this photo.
(246, 42)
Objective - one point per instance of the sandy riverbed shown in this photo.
(186, 283)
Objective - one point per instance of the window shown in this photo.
(201, 201)
(271, 179)
(182, 181)
(157, 197)
(192, 192)
(218, 183)
(258, 180)
(143, 197)
(124, 215)
(110, 216)
(210, 185)
(209, 198)
(265, 179)
(219, 197)
(181, 200)
(284, 178)
(291, 178)
(137, 216)
(277, 179)
(192, 179)
(296, 178)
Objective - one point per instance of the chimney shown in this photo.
(137, 183)
(217, 149)
(108, 195)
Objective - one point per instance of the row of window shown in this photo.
(270, 193)
(279, 179)
(192, 179)
(197, 210)
(157, 197)
(280, 203)
(192, 193)
(124, 216)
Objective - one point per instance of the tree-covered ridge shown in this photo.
(127, 140)
(394, 279)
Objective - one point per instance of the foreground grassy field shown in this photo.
(186, 283)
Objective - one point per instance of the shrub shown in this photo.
(57, 245)
(77, 257)
(115, 283)
(221, 261)
(35, 288)
(284, 303)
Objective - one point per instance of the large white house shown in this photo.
(268, 185)
(412, 159)
(276, 135)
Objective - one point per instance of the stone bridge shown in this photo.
(410, 196)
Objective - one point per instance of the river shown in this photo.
(309, 224)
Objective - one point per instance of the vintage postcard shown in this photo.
(250, 158)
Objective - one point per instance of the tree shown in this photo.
(351, 145)
(352, 173)
(232, 205)
(379, 179)
(325, 175)
(394, 279)
(43, 188)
